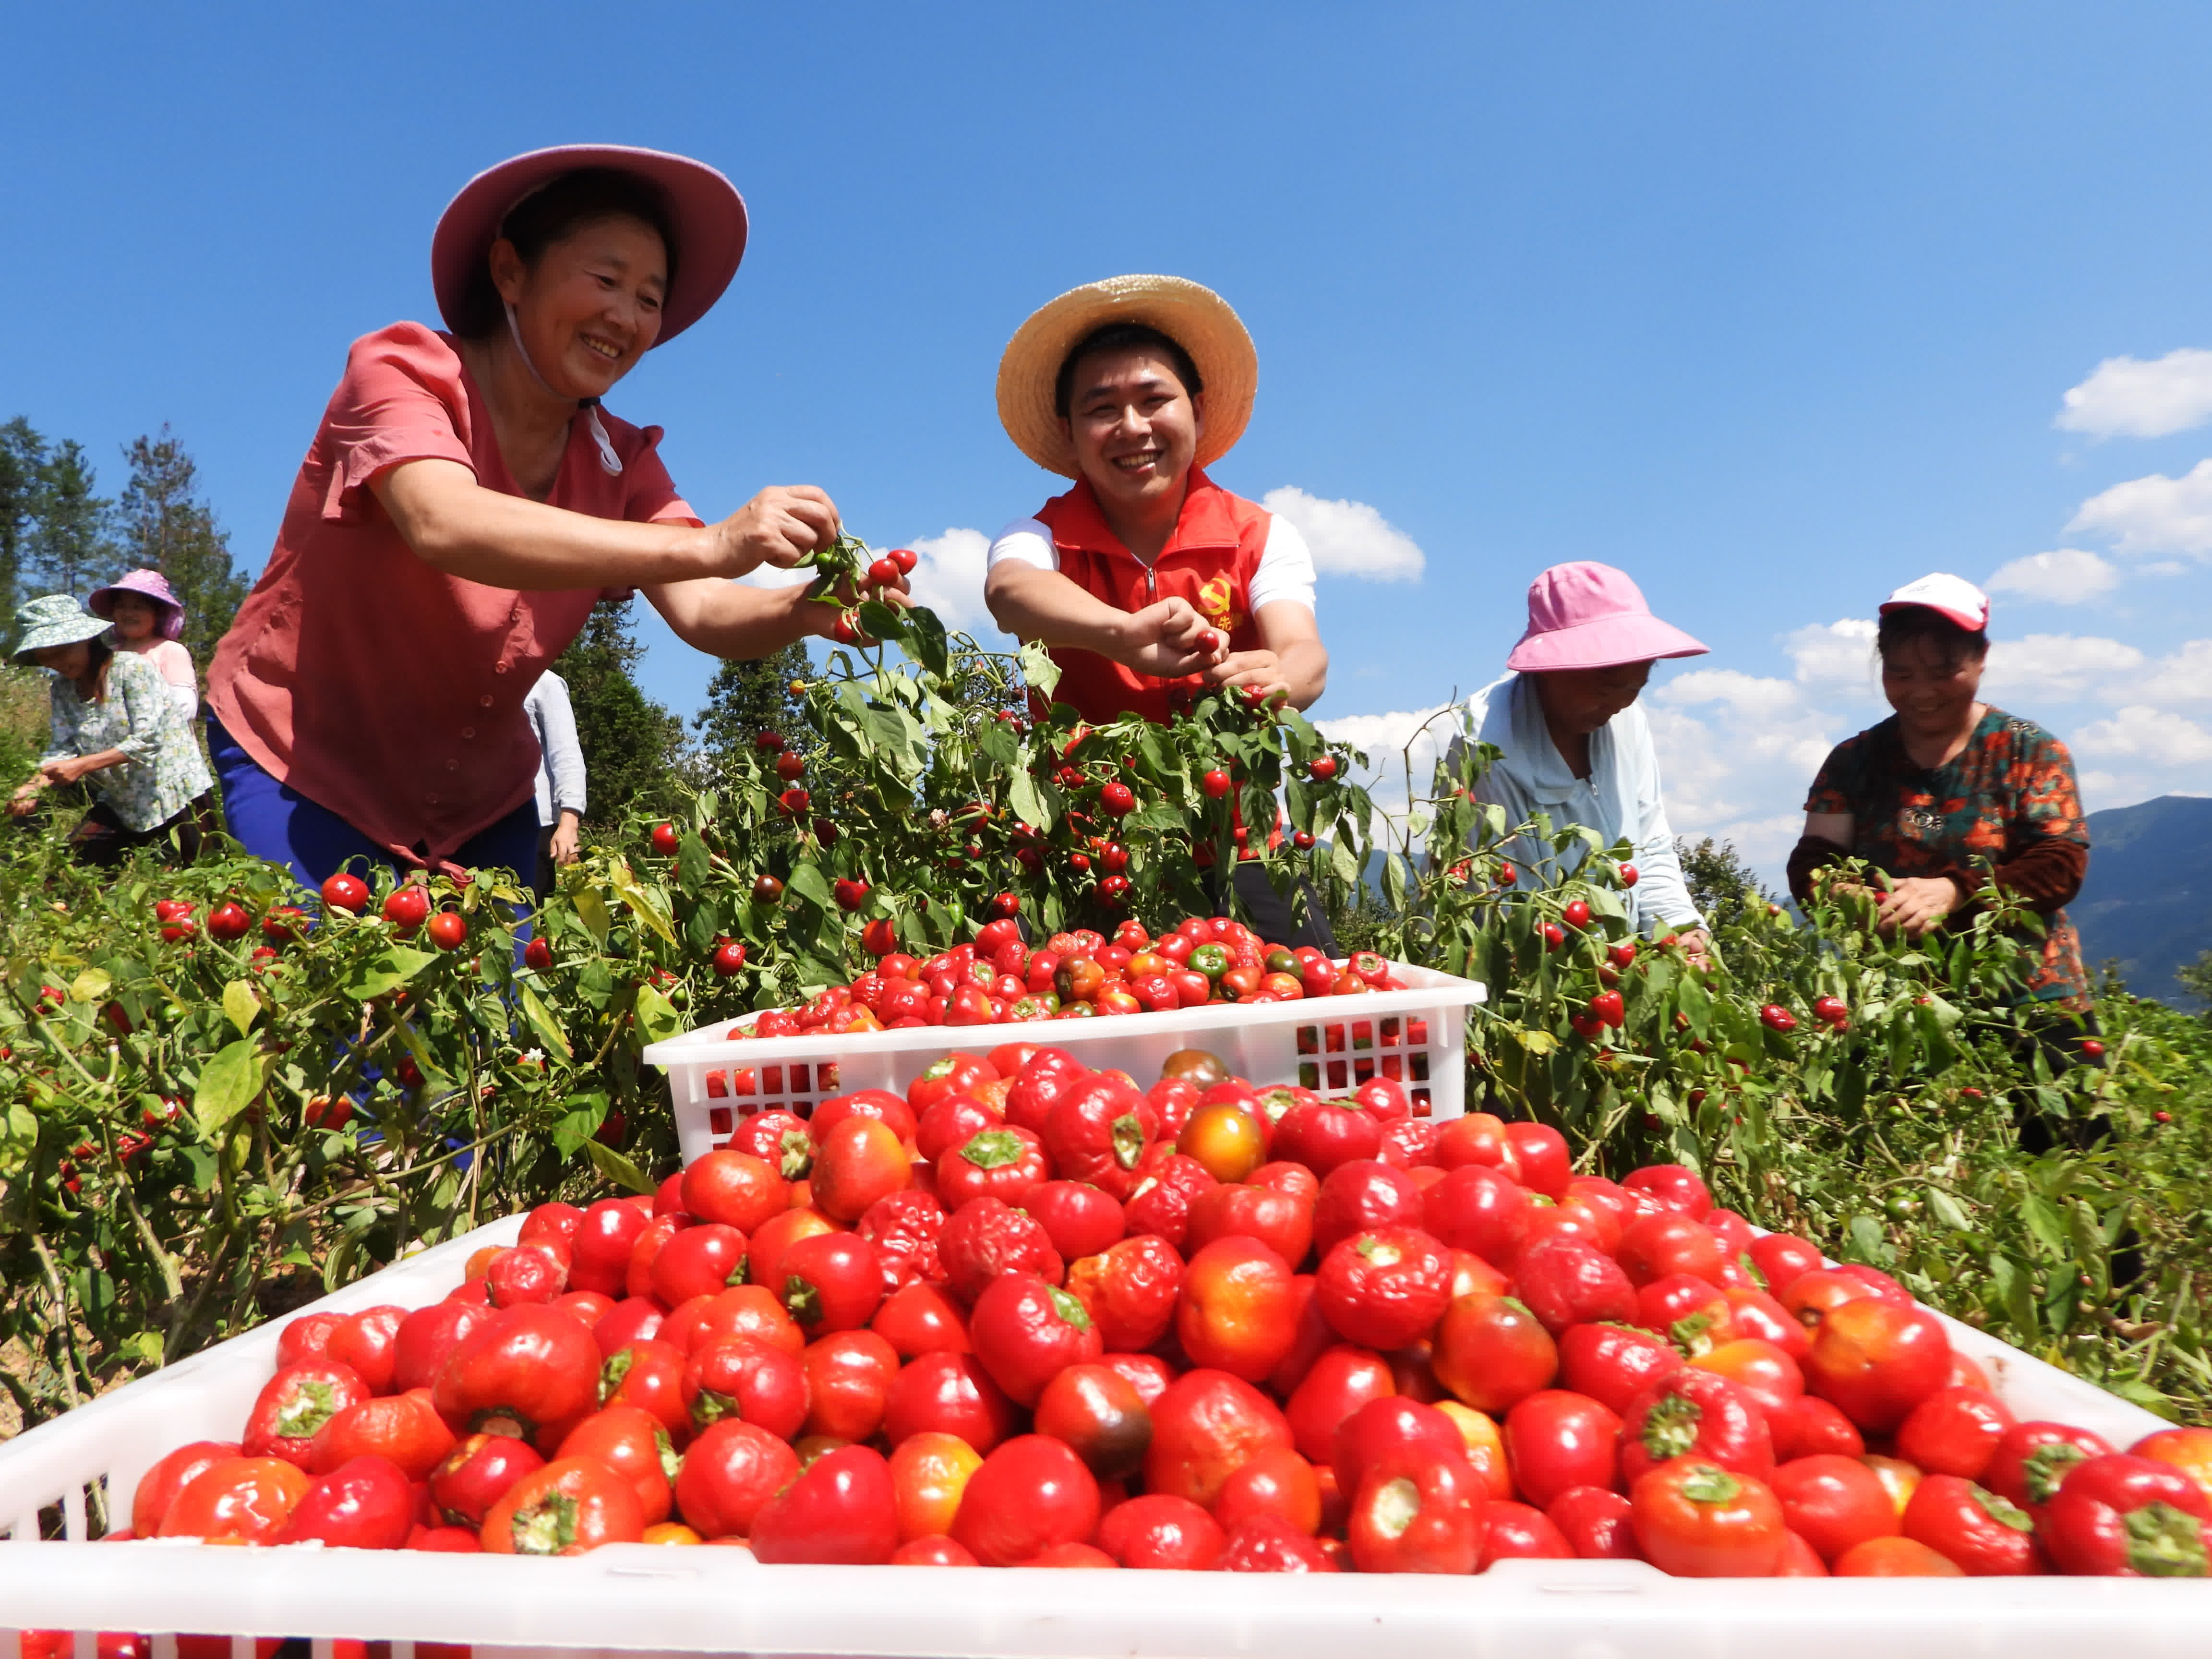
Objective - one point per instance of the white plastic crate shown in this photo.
(1416, 1036)
(637, 1599)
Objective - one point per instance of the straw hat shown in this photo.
(1196, 318)
(707, 217)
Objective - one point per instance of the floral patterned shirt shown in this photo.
(2009, 794)
(163, 769)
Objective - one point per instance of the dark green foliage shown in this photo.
(2196, 978)
(164, 525)
(70, 550)
(746, 699)
(1721, 885)
(22, 454)
(633, 747)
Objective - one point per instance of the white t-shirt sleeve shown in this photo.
(1026, 541)
(1285, 571)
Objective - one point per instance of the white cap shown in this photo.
(1954, 597)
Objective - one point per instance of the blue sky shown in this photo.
(1777, 307)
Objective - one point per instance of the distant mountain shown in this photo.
(2148, 899)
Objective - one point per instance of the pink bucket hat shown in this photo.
(1591, 616)
(146, 585)
(705, 212)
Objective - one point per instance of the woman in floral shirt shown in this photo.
(116, 728)
(1949, 790)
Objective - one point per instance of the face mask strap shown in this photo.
(609, 461)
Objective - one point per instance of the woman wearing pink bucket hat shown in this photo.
(465, 502)
(145, 616)
(1576, 748)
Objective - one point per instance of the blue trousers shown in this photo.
(273, 821)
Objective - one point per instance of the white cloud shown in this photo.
(2157, 514)
(1407, 740)
(1745, 695)
(2058, 668)
(2067, 576)
(2130, 397)
(1348, 538)
(2139, 733)
(948, 578)
(1840, 655)
(772, 576)
(2185, 676)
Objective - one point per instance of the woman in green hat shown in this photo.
(117, 729)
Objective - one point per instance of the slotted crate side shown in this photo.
(116, 1438)
(1416, 1036)
(637, 1599)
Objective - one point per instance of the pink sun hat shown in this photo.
(146, 585)
(1591, 616)
(705, 215)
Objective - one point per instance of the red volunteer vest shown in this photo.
(1209, 560)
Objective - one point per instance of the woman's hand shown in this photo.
(778, 526)
(25, 800)
(1698, 945)
(561, 848)
(1916, 903)
(67, 770)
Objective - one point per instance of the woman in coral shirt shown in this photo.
(466, 501)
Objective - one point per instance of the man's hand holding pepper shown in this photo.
(1168, 639)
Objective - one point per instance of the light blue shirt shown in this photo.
(1620, 800)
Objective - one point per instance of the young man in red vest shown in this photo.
(1150, 583)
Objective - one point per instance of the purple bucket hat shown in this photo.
(146, 585)
(1591, 616)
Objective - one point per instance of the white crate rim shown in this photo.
(639, 1599)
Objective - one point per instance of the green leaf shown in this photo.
(692, 867)
(1343, 864)
(19, 1137)
(592, 911)
(1948, 1210)
(926, 642)
(808, 882)
(1038, 668)
(239, 1006)
(228, 1085)
(386, 971)
(543, 1022)
(1023, 800)
(879, 622)
(616, 1168)
(2043, 1221)
(89, 985)
(656, 1016)
(642, 904)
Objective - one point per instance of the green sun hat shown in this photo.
(50, 620)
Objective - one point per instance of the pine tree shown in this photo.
(22, 456)
(71, 550)
(166, 526)
(633, 747)
(747, 698)
(1721, 885)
